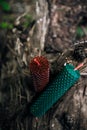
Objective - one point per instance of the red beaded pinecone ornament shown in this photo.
(39, 68)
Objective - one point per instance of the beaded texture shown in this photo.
(39, 68)
(54, 91)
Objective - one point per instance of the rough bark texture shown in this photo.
(51, 33)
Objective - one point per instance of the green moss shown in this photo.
(28, 20)
(5, 25)
(5, 5)
(79, 32)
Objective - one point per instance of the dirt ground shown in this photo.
(50, 28)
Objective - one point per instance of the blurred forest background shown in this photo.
(41, 27)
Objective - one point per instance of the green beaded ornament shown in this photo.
(54, 91)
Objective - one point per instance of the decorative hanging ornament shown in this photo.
(55, 90)
(39, 68)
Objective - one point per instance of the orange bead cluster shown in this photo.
(39, 68)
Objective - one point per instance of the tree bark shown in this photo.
(51, 33)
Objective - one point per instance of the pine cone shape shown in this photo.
(39, 68)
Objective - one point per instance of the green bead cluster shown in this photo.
(54, 91)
